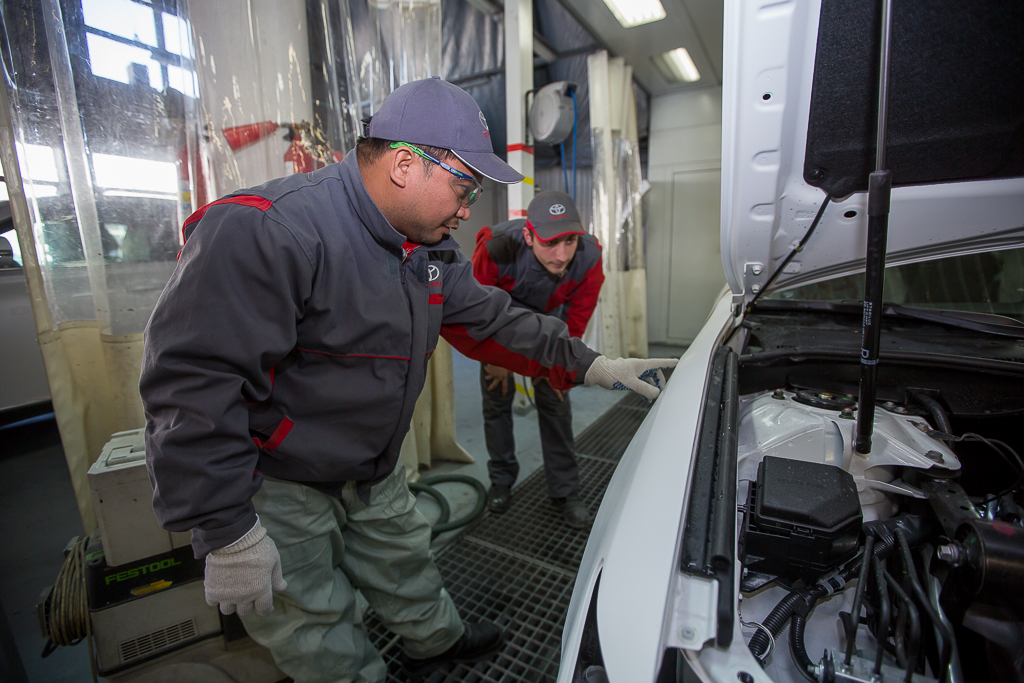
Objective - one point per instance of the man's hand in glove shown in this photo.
(245, 574)
(645, 377)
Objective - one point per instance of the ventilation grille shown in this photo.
(517, 569)
(157, 640)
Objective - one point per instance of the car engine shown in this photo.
(941, 587)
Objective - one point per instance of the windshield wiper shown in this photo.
(989, 323)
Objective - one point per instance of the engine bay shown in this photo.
(934, 506)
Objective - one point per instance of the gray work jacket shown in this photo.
(292, 340)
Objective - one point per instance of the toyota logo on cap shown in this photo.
(556, 209)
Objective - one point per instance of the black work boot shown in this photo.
(480, 639)
(574, 511)
(499, 498)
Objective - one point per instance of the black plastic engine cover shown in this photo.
(803, 519)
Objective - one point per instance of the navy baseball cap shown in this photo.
(553, 214)
(434, 112)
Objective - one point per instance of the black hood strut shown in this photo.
(879, 193)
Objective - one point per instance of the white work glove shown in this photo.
(245, 574)
(645, 377)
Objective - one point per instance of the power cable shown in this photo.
(573, 96)
(797, 250)
(565, 169)
(67, 610)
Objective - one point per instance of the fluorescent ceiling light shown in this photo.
(632, 13)
(676, 66)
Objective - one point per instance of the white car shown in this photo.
(729, 543)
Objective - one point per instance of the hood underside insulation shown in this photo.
(956, 93)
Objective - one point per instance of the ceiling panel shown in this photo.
(693, 24)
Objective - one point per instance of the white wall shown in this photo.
(684, 260)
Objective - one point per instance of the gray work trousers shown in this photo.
(329, 548)
(556, 438)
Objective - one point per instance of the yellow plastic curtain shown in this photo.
(617, 213)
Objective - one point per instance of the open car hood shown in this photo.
(799, 113)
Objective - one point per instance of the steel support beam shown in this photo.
(518, 81)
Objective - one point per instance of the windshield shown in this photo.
(990, 282)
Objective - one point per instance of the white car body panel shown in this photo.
(766, 205)
(645, 603)
(641, 516)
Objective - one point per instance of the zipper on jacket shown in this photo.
(406, 255)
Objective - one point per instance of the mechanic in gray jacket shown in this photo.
(282, 364)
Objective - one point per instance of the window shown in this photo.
(131, 40)
(7, 229)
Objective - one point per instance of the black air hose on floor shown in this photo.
(443, 524)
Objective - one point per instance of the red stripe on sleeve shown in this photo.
(352, 355)
(490, 351)
(583, 300)
(485, 270)
(277, 437)
(255, 202)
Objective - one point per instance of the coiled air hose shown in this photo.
(443, 524)
(67, 609)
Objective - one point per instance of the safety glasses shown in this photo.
(467, 194)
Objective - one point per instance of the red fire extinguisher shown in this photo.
(298, 152)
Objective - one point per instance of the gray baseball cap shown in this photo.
(552, 214)
(434, 112)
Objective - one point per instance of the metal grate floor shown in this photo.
(517, 569)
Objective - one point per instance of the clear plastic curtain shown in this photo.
(93, 135)
(387, 43)
(121, 117)
(284, 86)
(617, 209)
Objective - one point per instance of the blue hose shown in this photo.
(573, 96)
(565, 170)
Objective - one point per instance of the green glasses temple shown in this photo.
(467, 197)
